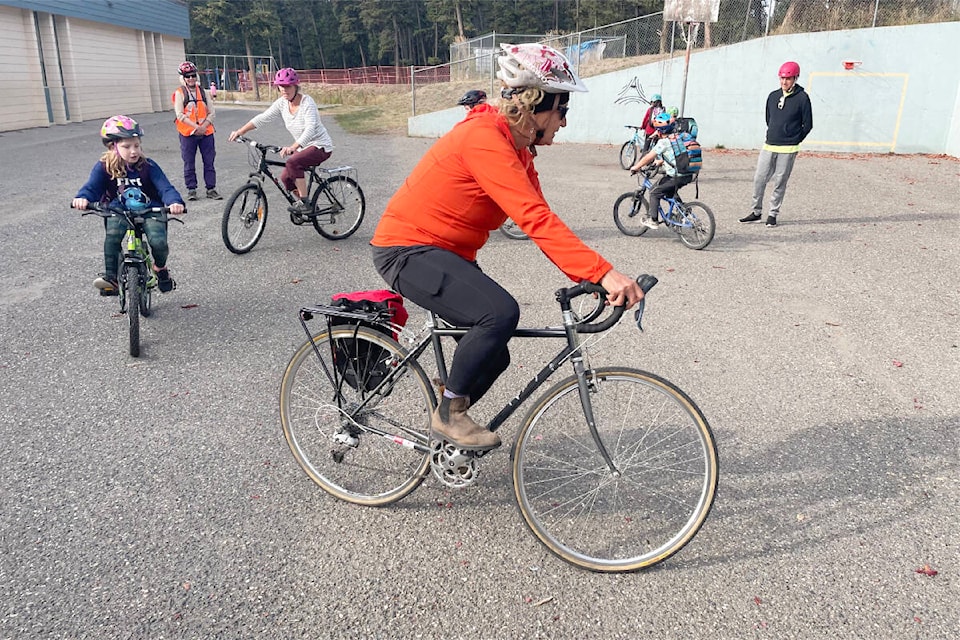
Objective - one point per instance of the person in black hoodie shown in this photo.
(789, 120)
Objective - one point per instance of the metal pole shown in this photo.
(876, 8)
(686, 68)
(413, 90)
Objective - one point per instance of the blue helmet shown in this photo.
(133, 199)
(656, 98)
(663, 122)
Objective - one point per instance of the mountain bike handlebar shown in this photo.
(265, 148)
(646, 282)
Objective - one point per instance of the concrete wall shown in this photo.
(903, 98)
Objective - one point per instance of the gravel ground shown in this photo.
(156, 497)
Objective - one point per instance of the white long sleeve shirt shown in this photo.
(304, 125)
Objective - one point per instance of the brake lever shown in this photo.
(646, 282)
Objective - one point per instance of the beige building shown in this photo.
(74, 60)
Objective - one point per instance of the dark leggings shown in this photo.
(666, 188)
(460, 293)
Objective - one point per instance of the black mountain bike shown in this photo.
(336, 201)
(135, 275)
(614, 469)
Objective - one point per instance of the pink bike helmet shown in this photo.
(790, 70)
(119, 127)
(187, 67)
(286, 78)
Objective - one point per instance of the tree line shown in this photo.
(329, 34)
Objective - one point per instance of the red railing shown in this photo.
(374, 75)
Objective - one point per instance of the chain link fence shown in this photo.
(650, 38)
(236, 74)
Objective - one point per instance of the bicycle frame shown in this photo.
(264, 170)
(668, 215)
(438, 329)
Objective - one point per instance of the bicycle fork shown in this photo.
(586, 384)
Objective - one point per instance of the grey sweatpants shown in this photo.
(772, 165)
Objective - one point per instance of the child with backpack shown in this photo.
(681, 158)
(123, 166)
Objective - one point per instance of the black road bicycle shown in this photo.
(614, 469)
(135, 275)
(336, 201)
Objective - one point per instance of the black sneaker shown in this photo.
(213, 195)
(771, 221)
(191, 194)
(753, 217)
(165, 283)
(107, 284)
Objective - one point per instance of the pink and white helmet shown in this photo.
(537, 65)
(119, 127)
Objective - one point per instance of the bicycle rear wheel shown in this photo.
(244, 218)
(628, 210)
(130, 281)
(594, 518)
(343, 453)
(338, 208)
(628, 154)
(698, 225)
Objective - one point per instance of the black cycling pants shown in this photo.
(666, 188)
(460, 293)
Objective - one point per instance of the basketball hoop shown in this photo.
(851, 64)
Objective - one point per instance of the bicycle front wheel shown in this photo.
(628, 154)
(697, 225)
(244, 218)
(645, 509)
(363, 456)
(338, 208)
(130, 281)
(628, 210)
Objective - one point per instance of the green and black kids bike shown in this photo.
(136, 278)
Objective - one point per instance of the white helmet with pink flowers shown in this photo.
(537, 65)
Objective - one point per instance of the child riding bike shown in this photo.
(123, 166)
(662, 154)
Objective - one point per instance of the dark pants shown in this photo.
(299, 162)
(116, 228)
(666, 188)
(460, 293)
(208, 152)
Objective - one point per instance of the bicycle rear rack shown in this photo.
(344, 170)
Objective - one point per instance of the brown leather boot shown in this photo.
(450, 422)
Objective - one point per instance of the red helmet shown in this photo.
(286, 78)
(187, 67)
(789, 70)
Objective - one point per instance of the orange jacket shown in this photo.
(464, 188)
(195, 110)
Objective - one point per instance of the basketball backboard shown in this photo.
(691, 10)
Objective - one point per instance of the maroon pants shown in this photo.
(299, 162)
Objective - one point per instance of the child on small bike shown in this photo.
(662, 154)
(123, 166)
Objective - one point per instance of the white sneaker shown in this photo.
(649, 223)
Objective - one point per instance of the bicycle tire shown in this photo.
(702, 227)
(512, 231)
(244, 218)
(376, 470)
(663, 448)
(146, 294)
(340, 211)
(131, 292)
(628, 210)
(628, 154)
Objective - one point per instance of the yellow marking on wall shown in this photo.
(892, 144)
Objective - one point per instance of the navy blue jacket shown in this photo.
(100, 187)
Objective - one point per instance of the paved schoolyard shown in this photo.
(156, 498)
